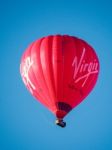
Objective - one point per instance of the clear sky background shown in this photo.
(24, 123)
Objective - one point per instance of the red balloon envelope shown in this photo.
(59, 71)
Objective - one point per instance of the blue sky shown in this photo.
(24, 123)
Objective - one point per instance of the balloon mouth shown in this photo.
(60, 114)
(62, 109)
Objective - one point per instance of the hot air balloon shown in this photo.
(59, 71)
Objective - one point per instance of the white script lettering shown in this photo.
(83, 67)
(25, 68)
